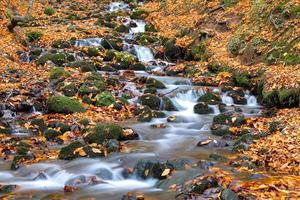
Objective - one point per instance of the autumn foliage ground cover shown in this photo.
(259, 39)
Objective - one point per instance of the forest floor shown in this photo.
(260, 39)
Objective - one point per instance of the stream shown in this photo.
(176, 141)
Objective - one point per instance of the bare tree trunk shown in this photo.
(29, 10)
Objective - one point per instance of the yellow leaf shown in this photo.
(96, 150)
(166, 172)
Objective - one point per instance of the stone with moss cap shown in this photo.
(63, 104)
(103, 132)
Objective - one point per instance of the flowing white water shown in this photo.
(79, 173)
(144, 54)
(88, 42)
(114, 6)
(227, 99)
(140, 27)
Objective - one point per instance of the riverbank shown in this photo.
(191, 86)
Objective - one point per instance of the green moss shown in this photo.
(139, 14)
(103, 132)
(150, 28)
(291, 59)
(51, 134)
(85, 122)
(227, 119)
(235, 45)
(220, 130)
(241, 79)
(199, 52)
(40, 123)
(150, 90)
(105, 99)
(284, 98)
(57, 58)
(138, 67)
(34, 36)
(88, 67)
(49, 10)
(202, 108)
(15, 164)
(61, 44)
(62, 104)
(93, 52)
(151, 82)
(210, 98)
(125, 59)
(122, 29)
(69, 90)
(144, 113)
(59, 73)
(168, 104)
(67, 153)
(110, 54)
(229, 3)
(150, 100)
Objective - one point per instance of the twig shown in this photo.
(168, 92)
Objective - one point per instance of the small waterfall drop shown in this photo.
(140, 28)
(227, 99)
(144, 54)
(88, 42)
(114, 6)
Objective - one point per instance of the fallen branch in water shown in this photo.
(161, 95)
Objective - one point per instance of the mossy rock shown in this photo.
(150, 90)
(63, 104)
(199, 53)
(144, 113)
(40, 123)
(202, 108)
(124, 59)
(229, 118)
(93, 51)
(138, 67)
(150, 28)
(51, 134)
(112, 43)
(22, 147)
(220, 130)
(235, 45)
(35, 52)
(109, 56)
(61, 44)
(34, 36)
(168, 104)
(59, 73)
(205, 184)
(69, 90)
(67, 153)
(139, 14)
(5, 189)
(85, 90)
(172, 51)
(150, 100)
(105, 99)
(101, 133)
(152, 169)
(88, 67)
(158, 114)
(18, 159)
(151, 82)
(49, 10)
(122, 29)
(210, 98)
(241, 79)
(216, 157)
(229, 3)
(57, 58)
(238, 97)
(283, 98)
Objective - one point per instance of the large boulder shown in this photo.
(210, 98)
